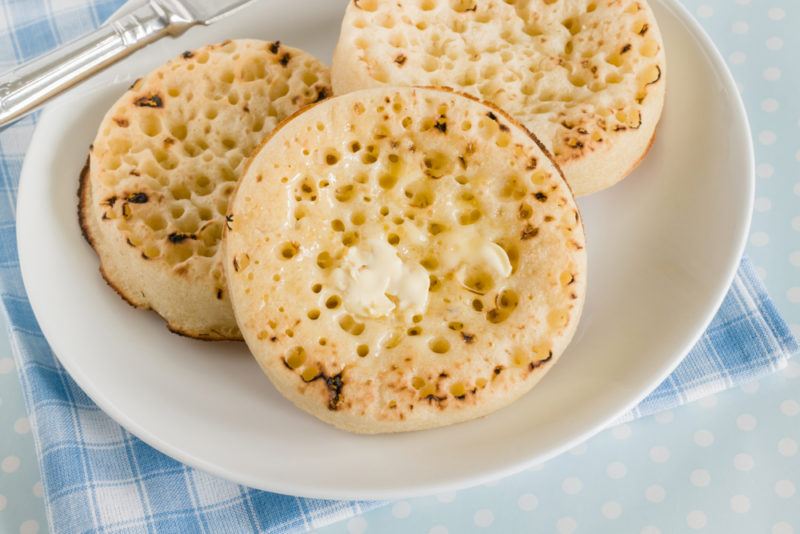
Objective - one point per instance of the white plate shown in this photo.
(663, 247)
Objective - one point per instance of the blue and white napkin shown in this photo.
(99, 478)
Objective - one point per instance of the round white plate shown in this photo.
(663, 247)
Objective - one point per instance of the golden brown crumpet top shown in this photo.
(404, 258)
(586, 76)
(165, 161)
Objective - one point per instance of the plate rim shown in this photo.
(478, 476)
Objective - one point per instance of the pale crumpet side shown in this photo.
(165, 161)
(404, 258)
(586, 76)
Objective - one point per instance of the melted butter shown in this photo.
(496, 258)
(370, 275)
(414, 234)
(461, 252)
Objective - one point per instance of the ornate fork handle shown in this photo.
(34, 82)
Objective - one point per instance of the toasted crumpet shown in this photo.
(586, 76)
(164, 163)
(404, 258)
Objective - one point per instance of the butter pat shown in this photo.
(371, 274)
(474, 251)
(496, 258)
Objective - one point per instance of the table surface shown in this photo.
(729, 463)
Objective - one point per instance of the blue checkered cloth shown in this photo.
(99, 478)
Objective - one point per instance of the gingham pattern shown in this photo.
(99, 478)
(745, 340)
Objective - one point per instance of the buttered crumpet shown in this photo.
(166, 159)
(586, 76)
(404, 258)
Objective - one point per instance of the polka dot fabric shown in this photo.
(21, 504)
(727, 463)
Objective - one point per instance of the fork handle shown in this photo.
(34, 82)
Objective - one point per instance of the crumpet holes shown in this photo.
(288, 250)
(332, 156)
(519, 359)
(350, 325)
(439, 345)
(333, 302)
(649, 48)
(180, 192)
(458, 390)
(465, 218)
(462, 6)
(505, 304)
(358, 218)
(367, 5)
(296, 357)
(349, 239)
(387, 181)
(324, 260)
(433, 283)
(310, 372)
(150, 124)
(156, 222)
(478, 281)
(435, 228)
(393, 340)
(557, 319)
(345, 193)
